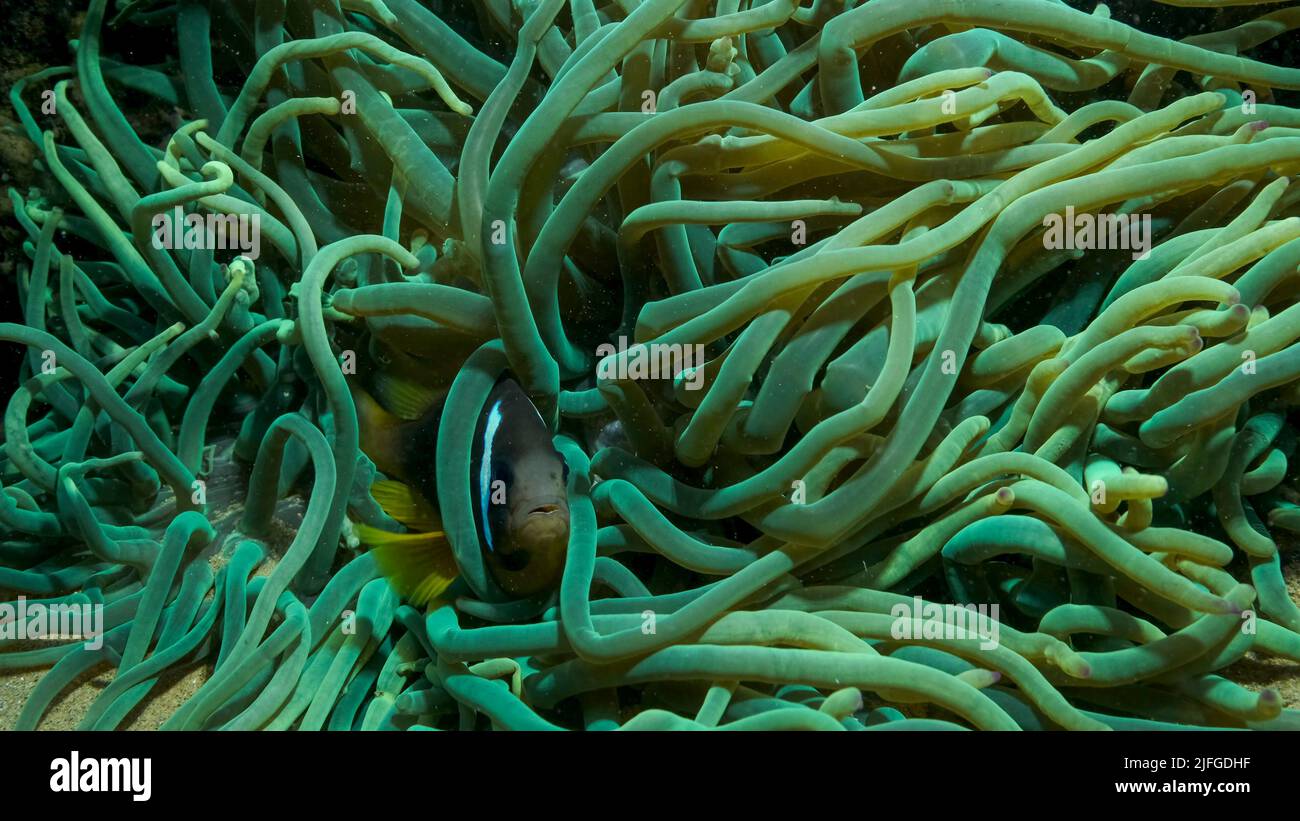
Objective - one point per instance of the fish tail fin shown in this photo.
(420, 566)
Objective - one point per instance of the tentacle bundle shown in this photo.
(918, 364)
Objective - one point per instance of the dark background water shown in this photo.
(1178, 22)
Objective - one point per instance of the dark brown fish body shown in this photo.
(517, 480)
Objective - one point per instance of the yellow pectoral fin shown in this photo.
(419, 565)
(378, 432)
(405, 504)
(402, 397)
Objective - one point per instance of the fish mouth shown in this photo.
(544, 529)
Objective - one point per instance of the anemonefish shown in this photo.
(517, 479)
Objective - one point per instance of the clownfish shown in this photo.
(517, 478)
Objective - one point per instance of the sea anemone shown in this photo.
(917, 363)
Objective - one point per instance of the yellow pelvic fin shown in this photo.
(404, 504)
(402, 397)
(418, 565)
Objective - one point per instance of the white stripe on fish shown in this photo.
(485, 468)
